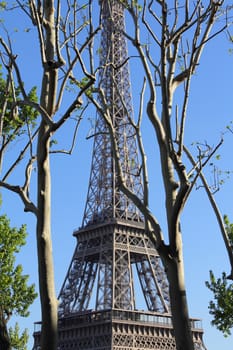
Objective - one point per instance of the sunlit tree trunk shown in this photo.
(58, 25)
(177, 36)
(44, 242)
(178, 301)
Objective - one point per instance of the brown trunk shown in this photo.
(44, 243)
(49, 303)
(179, 306)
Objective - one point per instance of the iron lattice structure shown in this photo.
(105, 200)
(98, 308)
(116, 237)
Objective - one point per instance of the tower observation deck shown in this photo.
(115, 294)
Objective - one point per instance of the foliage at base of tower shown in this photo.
(16, 295)
(222, 288)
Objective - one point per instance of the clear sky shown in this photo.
(210, 111)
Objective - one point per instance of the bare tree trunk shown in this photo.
(48, 20)
(44, 244)
(179, 306)
(49, 304)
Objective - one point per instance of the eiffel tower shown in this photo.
(115, 294)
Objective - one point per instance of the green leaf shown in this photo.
(221, 307)
(16, 294)
(18, 342)
(3, 5)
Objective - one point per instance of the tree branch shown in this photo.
(217, 213)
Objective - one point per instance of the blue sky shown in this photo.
(210, 111)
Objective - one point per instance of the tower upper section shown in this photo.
(104, 199)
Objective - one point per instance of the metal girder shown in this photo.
(108, 255)
(104, 199)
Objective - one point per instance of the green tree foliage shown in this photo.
(15, 295)
(18, 342)
(63, 44)
(3, 5)
(15, 118)
(221, 307)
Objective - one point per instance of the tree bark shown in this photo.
(4, 337)
(178, 302)
(49, 303)
(44, 244)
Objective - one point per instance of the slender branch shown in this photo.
(28, 171)
(151, 106)
(28, 205)
(158, 20)
(141, 148)
(26, 100)
(20, 156)
(176, 17)
(77, 103)
(38, 22)
(197, 49)
(63, 86)
(12, 59)
(155, 233)
(74, 135)
(23, 8)
(57, 24)
(184, 109)
(150, 30)
(217, 213)
(91, 31)
(68, 74)
(37, 107)
(190, 23)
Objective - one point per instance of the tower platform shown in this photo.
(105, 257)
(118, 330)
